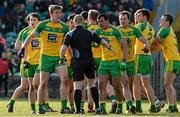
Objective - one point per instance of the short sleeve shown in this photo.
(137, 32)
(20, 35)
(163, 32)
(67, 40)
(141, 26)
(65, 27)
(39, 27)
(118, 34)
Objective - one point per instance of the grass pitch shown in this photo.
(22, 109)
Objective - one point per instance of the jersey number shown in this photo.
(149, 36)
(35, 43)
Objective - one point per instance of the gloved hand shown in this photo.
(123, 65)
(145, 49)
(21, 53)
(26, 65)
(62, 60)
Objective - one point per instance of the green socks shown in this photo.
(171, 107)
(11, 102)
(138, 105)
(120, 105)
(33, 108)
(103, 106)
(63, 104)
(41, 106)
(127, 106)
(82, 104)
(112, 97)
(130, 103)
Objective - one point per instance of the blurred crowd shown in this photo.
(13, 13)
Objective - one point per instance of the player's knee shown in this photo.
(78, 85)
(24, 87)
(102, 85)
(43, 84)
(167, 85)
(92, 83)
(64, 80)
(70, 91)
(125, 83)
(36, 86)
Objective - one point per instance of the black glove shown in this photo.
(145, 49)
(26, 65)
(62, 60)
(21, 53)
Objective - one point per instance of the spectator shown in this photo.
(5, 66)
(2, 44)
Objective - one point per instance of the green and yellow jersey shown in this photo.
(112, 35)
(52, 35)
(130, 34)
(33, 49)
(148, 32)
(168, 43)
(20, 34)
(68, 57)
(22, 39)
(97, 52)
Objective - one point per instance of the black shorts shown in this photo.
(82, 68)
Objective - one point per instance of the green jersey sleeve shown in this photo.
(137, 32)
(41, 25)
(118, 33)
(141, 26)
(163, 32)
(65, 27)
(97, 31)
(21, 33)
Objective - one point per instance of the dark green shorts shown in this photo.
(23, 72)
(172, 66)
(32, 70)
(143, 64)
(70, 72)
(97, 63)
(48, 63)
(131, 68)
(110, 67)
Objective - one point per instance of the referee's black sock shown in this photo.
(95, 96)
(77, 99)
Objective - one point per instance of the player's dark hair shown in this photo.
(84, 14)
(103, 15)
(71, 17)
(145, 12)
(168, 18)
(35, 15)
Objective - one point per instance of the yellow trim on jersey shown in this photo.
(97, 52)
(149, 34)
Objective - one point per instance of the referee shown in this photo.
(80, 40)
